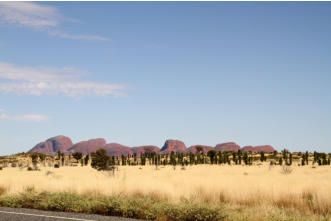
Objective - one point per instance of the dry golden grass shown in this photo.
(304, 188)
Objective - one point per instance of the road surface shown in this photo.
(16, 214)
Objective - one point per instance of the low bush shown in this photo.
(119, 205)
(56, 166)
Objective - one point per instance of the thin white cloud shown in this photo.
(39, 17)
(29, 14)
(52, 81)
(15, 73)
(24, 117)
(77, 37)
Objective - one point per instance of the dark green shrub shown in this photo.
(100, 160)
(77, 156)
(56, 166)
(211, 154)
(86, 160)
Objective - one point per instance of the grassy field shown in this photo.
(231, 192)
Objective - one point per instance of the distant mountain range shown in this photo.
(64, 144)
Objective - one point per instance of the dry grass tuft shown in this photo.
(288, 201)
(286, 170)
(163, 218)
(3, 190)
(48, 173)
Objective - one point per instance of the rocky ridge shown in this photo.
(64, 144)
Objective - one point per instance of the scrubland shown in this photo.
(226, 192)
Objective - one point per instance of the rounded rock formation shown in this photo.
(116, 149)
(230, 146)
(255, 149)
(86, 147)
(173, 145)
(193, 149)
(52, 145)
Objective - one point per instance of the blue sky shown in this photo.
(140, 73)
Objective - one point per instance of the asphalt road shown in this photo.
(16, 214)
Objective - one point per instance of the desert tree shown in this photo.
(284, 153)
(173, 161)
(148, 151)
(86, 159)
(117, 161)
(262, 157)
(128, 161)
(34, 158)
(42, 158)
(324, 160)
(199, 149)
(290, 159)
(172, 158)
(204, 158)
(307, 157)
(315, 156)
(164, 162)
(220, 157)
(62, 159)
(304, 160)
(142, 159)
(280, 161)
(192, 158)
(77, 156)
(211, 154)
(156, 161)
(234, 158)
(239, 156)
(166, 156)
(158, 158)
(100, 160)
(59, 154)
(199, 160)
(112, 162)
(245, 158)
(123, 158)
(180, 158)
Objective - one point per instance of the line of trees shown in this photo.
(101, 160)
